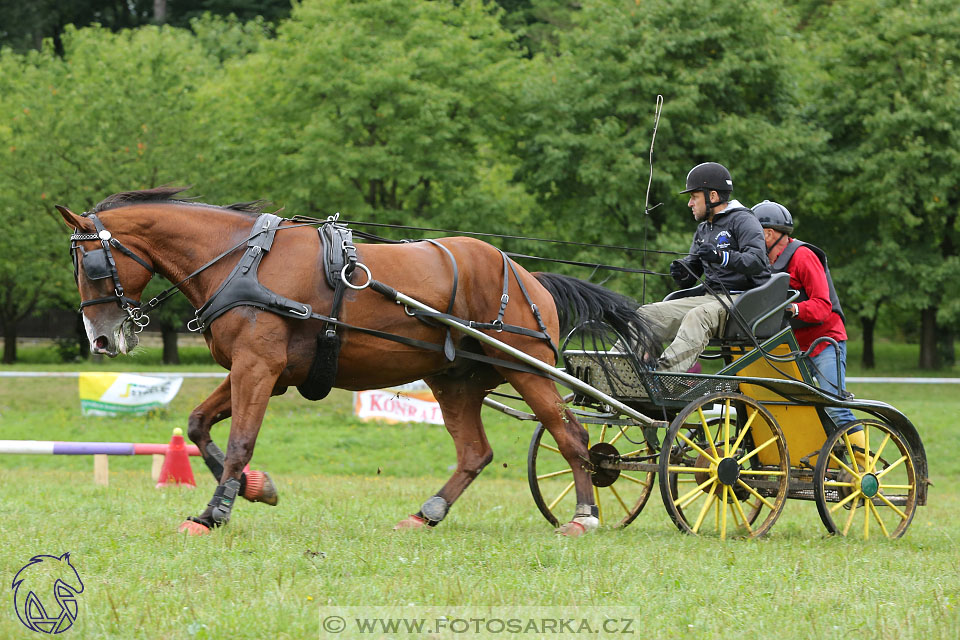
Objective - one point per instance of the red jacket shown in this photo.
(806, 273)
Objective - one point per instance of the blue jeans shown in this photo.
(826, 372)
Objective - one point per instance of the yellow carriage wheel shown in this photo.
(865, 481)
(620, 495)
(724, 467)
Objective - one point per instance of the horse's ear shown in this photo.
(73, 220)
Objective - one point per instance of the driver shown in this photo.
(727, 251)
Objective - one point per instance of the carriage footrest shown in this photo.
(616, 374)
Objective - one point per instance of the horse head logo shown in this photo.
(40, 576)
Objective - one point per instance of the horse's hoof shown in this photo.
(411, 522)
(572, 529)
(192, 528)
(260, 488)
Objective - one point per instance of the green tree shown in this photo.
(32, 269)
(113, 114)
(729, 96)
(889, 95)
(389, 109)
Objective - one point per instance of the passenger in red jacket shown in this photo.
(818, 312)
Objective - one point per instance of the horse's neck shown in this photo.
(180, 239)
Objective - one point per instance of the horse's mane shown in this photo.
(167, 195)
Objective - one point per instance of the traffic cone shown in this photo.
(176, 463)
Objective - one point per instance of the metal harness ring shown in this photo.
(359, 265)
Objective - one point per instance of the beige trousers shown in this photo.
(691, 322)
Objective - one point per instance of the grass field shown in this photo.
(275, 572)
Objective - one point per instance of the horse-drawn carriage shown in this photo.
(728, 448)
(739, 442)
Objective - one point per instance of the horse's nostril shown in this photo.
(101, 342)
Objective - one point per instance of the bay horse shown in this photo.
(128, 237)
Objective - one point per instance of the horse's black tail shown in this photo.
(587, 306)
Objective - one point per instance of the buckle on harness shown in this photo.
(302, 314)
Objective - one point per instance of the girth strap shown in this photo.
(448, 349)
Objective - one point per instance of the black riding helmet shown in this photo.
(773, 215)
(707, 177)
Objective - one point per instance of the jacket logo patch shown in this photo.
(722, 240)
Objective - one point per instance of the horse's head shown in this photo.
(110, 277)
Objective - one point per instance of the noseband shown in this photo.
(99, 264)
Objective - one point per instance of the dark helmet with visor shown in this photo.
(773, 215)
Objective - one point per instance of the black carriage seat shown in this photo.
(760, 309)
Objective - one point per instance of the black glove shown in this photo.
(707, 252)
(679, 273)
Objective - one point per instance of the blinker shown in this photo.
(95, 264)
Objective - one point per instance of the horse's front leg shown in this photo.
(251, 385)
(255, 486)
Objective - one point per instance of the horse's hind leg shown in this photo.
(571, 438)
(255, 486)
(460, 399)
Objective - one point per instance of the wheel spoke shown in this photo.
(837, 483)
(619, 435)
(896, 510)
(616, 495)
(755, 451)
(904, 487)
(744, 431)
(850, 497)
(697, 448)
(706, 429)
(866, 520)
(560, 497)
(853, 511)
(549, 448)
(762, 472)
(635, 480)
(844, 465)
(706, 507)
(891, 467)
(743, 516)
(876, 516)
(756, 495)
(726, 430)
(554, 474)
(603, 432)
(876, 456)
(693, 494)
(723, 515)
(853, 458)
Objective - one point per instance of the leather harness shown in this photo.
(243, 288)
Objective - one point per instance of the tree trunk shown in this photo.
(169, 335)
(868, 360)
(159, 11)
(928, 339)
(945, 349)
(9, 342)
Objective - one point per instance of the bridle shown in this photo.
(100, 264)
